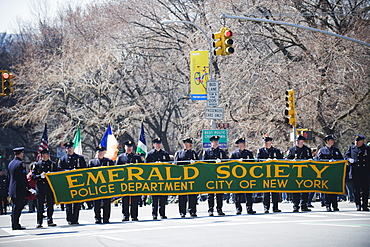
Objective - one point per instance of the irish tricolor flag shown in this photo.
(141, 145)
(77, 142)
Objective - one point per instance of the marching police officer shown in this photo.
(18, 187)
(4, 184)
(270, 152)
(129, 158)
(188, 155)
(243, 155)
(158, 155)
(100, 160)
(358, 156)
(300, 151)
(214, 153)
(43, 190)
(71, 161)
(330, 152)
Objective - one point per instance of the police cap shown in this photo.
(100, 148)
(214, 138)
(128, 143)
(240, 140)
(45, 151)
(157, 140)
(18, 149)
(187, 140)
(359, 137)
(329, 137)
(301, 137)
(68, 144)
(267, 139)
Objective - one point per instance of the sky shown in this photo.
(14, 11)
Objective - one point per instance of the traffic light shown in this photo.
(223, 42)
(290, 110)
(6, 83)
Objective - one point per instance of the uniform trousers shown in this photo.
(331, 200)
(267, 202)
(106, 209)
(159, 204)
(300, 198)
(49, 207)
(130, 208)
(18, 205)
(211, 202)
(72, 212)
(361, 184)
(3, 204)
(192, 206)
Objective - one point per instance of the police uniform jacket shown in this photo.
(154, 155)
(328, 153)
(70, 162)
(101, 162)
(130, 158)
(214, 153)
(4, 184)
(245, 154)
(269, 153)
(18, 184)
(299, 153)
(185, 154)
(361, 155)
(42, 186)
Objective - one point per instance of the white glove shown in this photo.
(331, 160)
(42, 175)
(218, 160)
(275, 159)
(241, 159)
(32, 191)
(192, 161)
(351, 160)
(268, 159)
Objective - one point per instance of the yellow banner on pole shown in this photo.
(199, 74)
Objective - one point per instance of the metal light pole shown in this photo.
(210, 54)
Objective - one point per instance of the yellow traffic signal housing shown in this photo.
(223, 42)
(290, 109)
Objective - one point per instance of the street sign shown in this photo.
(214, 113)
(206, 134)
(212, 93)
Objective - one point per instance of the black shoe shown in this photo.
(210, 213)
(125, 219)
(97, 221)
(328, 209)
(164, 217)
(238, 212)
(106, 222)
(75, 223)
(39, 226)
(69, 223)
(336, 209)
(276, 210)
(305, 209)
(220, 213)
(295, 210)
(183, 216)
(310, 206)
(266, 211)
(154, 217)
(365, 209)
(251, 212)
(135, 219)
(52, 224)
(358, 208)
(19, 228)
(194, 215)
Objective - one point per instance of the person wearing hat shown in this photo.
(128, 157)
(214, 153)
(187, 156)
(266, 153)
(330, 152)
(358, 156)
(300, 152)
(104, 204)
(18, 187)
(43, 190)
(158, 155)
(71, 161)
(245, 155)
(4, 185)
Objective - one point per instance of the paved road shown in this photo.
(317, 228)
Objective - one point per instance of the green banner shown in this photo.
(200, 177)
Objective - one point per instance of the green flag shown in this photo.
(77, 142)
